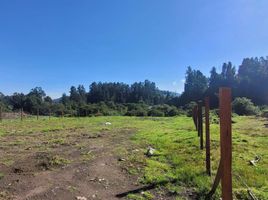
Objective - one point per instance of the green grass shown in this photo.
(58, 161)
(178, 155)
(143, 196)
(1, 175)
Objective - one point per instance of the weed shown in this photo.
(58, 161)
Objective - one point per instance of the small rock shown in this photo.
(81, 198)
(108, 123)
(150, 152)
(101, 179)
(255, 161)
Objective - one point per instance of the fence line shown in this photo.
(0, 113)
(224, 173)
(200, 124)
(208, 162)
(226, 142)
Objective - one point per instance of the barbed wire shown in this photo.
(251, 194)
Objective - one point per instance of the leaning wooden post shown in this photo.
(226, 142)
(208, 164)
(200, 124)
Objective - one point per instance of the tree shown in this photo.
(82, 94)
(17, 101)
(65, 99)
(48, 99)
(38, 92)
(195, 86)
(74, 95)
(253, 79)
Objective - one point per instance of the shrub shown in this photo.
(214, 116)
(137, 109)
(264, 113)
(156, 113)
(189, 108)
(173, 111)
(139, 113)
(244, 106)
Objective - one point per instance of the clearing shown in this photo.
(87, 158)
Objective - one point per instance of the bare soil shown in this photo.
(88, 167)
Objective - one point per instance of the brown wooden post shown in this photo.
(226, 142)
(37, 114)
(49, 115)
(208, 164)
(195, 116)
(0, 113)
(200, 124)
(21, 110)
(198, 120)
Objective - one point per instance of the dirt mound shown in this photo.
(40, 161)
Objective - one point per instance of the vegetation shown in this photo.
(244, 106)
(145, 99)
(178, 167)
(250, 81)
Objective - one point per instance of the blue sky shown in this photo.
(56, 44)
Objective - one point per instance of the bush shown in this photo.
(156, 113)
(244, 106)
(173, 111)
(139, 113)
(264, 113)
(189, 108)
(163, 110)
(214, 116)
(134, 109)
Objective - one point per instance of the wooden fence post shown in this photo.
(224, 173)
(0, 113)
(37, 114)
(21, 110)
(208, 163)
(200, 124)
(195, 116)
(226, 142)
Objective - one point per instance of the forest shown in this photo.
(249, 85)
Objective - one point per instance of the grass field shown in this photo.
(67, 158)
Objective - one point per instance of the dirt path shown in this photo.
(101, 177)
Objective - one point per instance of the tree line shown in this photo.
(101, 99)
(250, 80)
